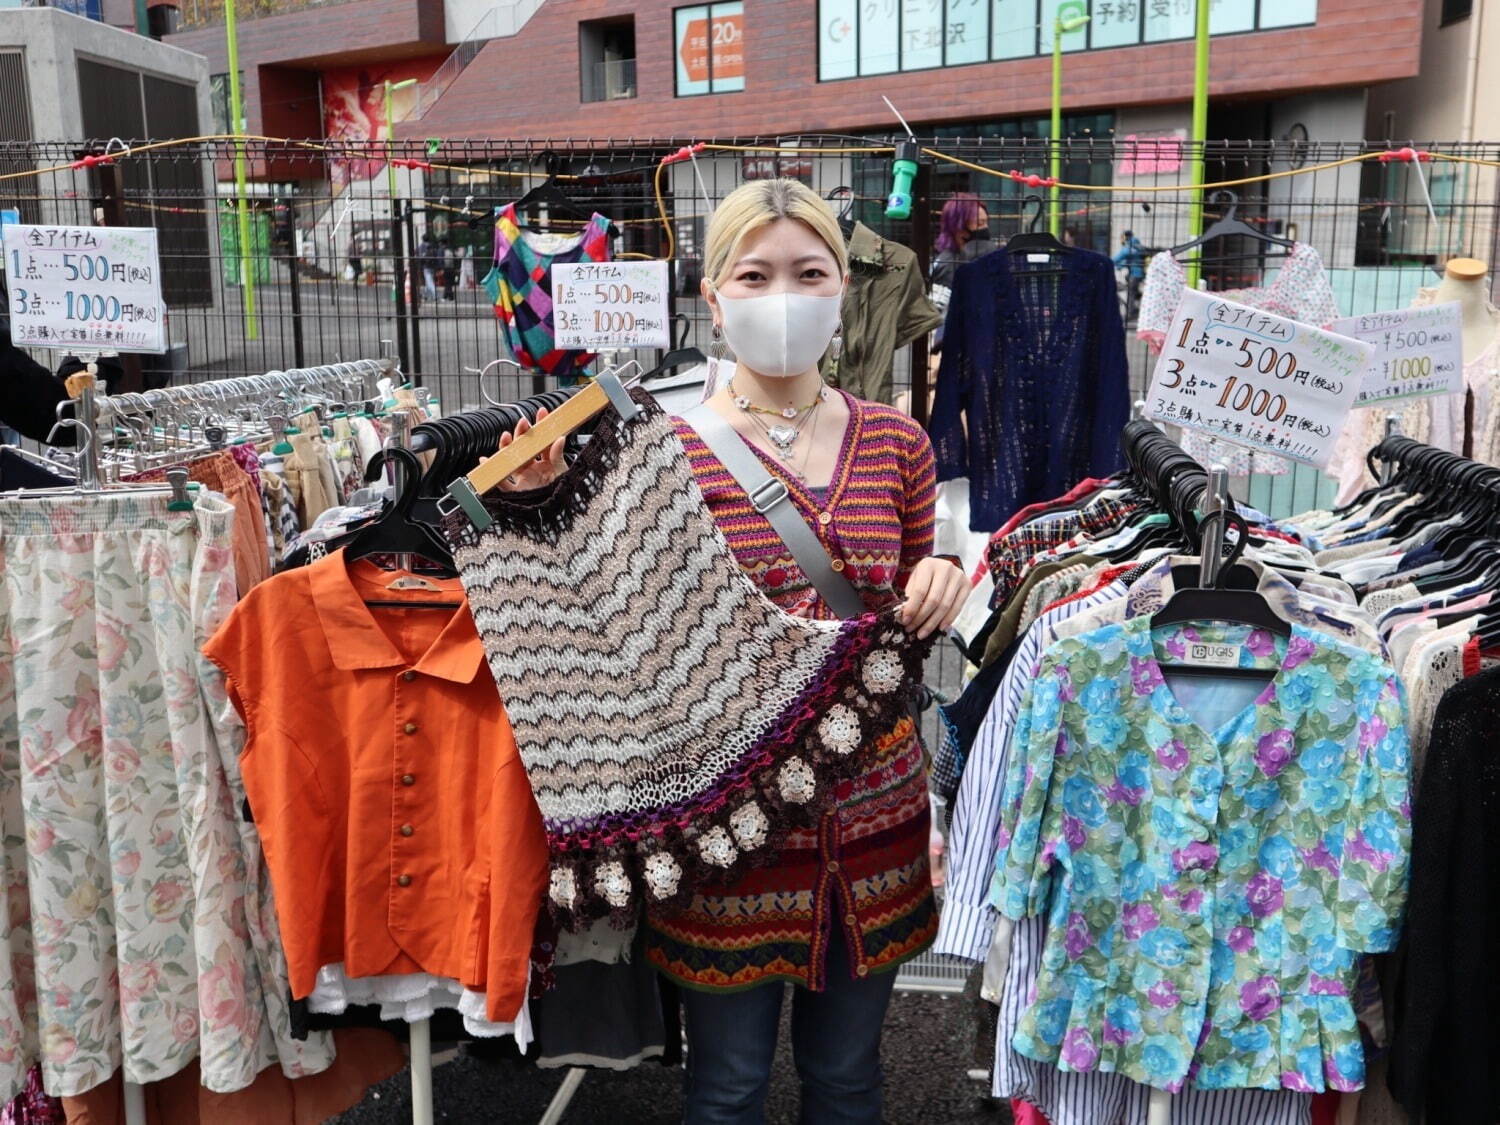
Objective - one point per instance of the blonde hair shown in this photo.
(757, 204)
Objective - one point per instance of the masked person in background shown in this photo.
(963, 235)
(847, 902)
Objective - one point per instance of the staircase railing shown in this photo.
(500, 22)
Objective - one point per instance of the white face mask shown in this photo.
(780, 334)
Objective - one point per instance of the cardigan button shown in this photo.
(862, 971)
(833, 867)
(825, 518)
(838, 565)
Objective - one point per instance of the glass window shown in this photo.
(857, 38)
(966, 31)
(218, 96)
(710, 48)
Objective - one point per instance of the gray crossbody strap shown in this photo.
(770, 498)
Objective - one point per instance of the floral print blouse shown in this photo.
(1207, 887)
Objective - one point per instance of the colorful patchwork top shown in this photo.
(861, 874)
(520, 286)
(1212, 854)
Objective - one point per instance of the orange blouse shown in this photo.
(399, 827)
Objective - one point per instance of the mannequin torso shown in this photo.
(1464, 281)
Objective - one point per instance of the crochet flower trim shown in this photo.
(860, 697)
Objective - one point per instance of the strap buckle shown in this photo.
(768, 494)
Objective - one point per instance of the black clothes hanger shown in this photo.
(396, 532)
(846, 221)
(557, 202)
(1227, 224)
(1033, 239)
(681, 354)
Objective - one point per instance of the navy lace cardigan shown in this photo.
(1034, 388)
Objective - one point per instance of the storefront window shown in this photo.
(709, 48)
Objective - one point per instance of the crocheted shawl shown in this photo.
(674, 722)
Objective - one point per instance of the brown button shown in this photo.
(408, 676)
(862, 971)
(408, 779)
(410, 728)
(833, 866)
(404, 881)
(850, 919)
(838, 565)
(406, 830)
(825, 518)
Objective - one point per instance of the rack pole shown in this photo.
(1211, 528)
(421, 1072)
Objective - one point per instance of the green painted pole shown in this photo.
(1200, 137)
(242, 205)
(1054, 221)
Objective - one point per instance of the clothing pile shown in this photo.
(1179, 815)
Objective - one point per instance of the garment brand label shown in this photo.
(1417, 352)
(610, 305)
(1213, 655)
(413, 582)
(1038, 259)
(1256, 379)
(84, 288)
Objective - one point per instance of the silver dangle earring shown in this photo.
(716, 347)
(836, 347)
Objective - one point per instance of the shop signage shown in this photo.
(721, 33)
(610, 305)
(1256, 379)
(1417, 352)
(1152, 154)
(84, 288)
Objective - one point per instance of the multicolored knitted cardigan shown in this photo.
(675, 723)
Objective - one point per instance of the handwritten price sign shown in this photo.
(1417, 352)
(85, 288)
(610, 305)
(1256, 379)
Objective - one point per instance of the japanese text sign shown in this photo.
(610, 305)
(1417, 352)
(1256, 379)
(85, 288)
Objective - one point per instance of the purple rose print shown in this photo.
(1192, 902)
(1241, 939)
(1163, 994)
(1145, 676)
(1359, 849)
(1077, 941)
(1119, 794)
(1197, 855)
(1176, 646)
(1139, 918)
(1320, 856)
(1326, 986)
(1113, 1034)
(1373, 732)
(1291, 1080)
(1298, 649)
(1173, 755)
(1074, 832)
(1259, 642)
(1273, 753)
(1260, 998)
(1263, 893)
(1066, 693)
(1078, 1050)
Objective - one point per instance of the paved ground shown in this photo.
(928, 1048)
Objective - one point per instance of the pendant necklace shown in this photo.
(783, 433)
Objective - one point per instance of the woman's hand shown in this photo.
(543, 469)
(935, 592)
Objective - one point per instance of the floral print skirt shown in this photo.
(138, 930)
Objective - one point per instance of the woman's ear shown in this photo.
(710, 294)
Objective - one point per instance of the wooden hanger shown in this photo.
(606, 390)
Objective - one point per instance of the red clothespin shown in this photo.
(407, 162)
(1032, 179)
(686, 152)
(93, 160)
(1406, 155)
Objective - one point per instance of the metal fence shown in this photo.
(335, 266)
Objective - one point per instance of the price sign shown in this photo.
(1417, 352)
(85, 288)
(610, 305)
(1256, 379)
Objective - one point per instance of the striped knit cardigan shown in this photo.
(860, 875)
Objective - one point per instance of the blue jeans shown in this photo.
(731, 1041)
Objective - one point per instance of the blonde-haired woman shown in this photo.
(848, 902)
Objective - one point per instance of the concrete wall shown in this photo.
(52, 41)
